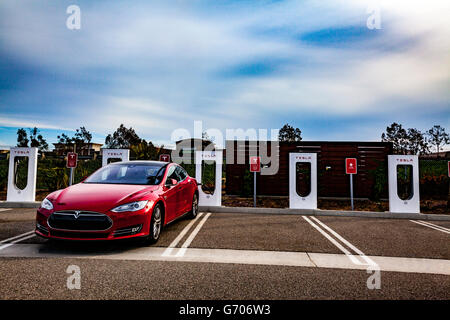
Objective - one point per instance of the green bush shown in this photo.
(52, 174)
(3, 174)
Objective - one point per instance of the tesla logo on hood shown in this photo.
(77, 214)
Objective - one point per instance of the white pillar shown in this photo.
(29, 192)
(205, 199)
(295, 200)
(411, 205)
(123, 154)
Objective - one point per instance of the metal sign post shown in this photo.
(351, 169)
(351, 190)
(255, 166)
(254, 189)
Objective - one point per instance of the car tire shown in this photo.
(155, 225)
(194, 211)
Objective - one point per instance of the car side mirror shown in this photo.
(171, 182)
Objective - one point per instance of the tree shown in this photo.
(22, 139)
(80, 140)
(37, 140)
(438, 137)
(145, 151)
(82, 136)
(122, 138)
(65, 139)
(288, 133)
(416, 142)
(398, 136)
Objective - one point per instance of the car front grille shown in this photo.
(79, 221)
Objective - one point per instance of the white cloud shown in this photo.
(159, 63)
(13, 122)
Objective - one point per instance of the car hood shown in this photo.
(99, 197)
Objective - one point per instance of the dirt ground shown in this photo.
(426, 206)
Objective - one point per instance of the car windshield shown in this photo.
(145, 174)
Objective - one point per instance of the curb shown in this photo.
(331, 213)
(286, 211)
(20, 204)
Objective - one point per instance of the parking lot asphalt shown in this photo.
(261, 232)
(32, 267)
(391, 237)
(103, 279)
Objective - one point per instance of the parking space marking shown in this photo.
(183, 232)
(321, 227)
(191, 237)
(432, 226)
(435, 225)
(1, 209)
(18, 236)
(13, 240)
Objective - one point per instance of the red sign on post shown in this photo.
(351, 166)
(164, 157)
(72, 158)
(255, 164)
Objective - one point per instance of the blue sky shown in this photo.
(161, 65)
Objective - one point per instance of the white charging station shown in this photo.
(205, 199)
(412, 204)
(29, 192)
(295, 200)
(123, 154)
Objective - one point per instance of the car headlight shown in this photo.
(132, 206)
(47, 204)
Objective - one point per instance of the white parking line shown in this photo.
(174, 243)
(1, 209)
(351, 256)
(15, 237)
(435, 225)
(191, 237)
(432, 226)
(18, 238)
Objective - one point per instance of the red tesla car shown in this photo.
(120, 200)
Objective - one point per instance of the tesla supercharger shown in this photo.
(410, 204)
(29, 192)
(122, 154)
(214, 199)
(307, 201)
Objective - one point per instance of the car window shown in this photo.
(180, 171)
(173, 174)
(128, 173)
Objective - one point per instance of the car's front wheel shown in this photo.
(155, 224)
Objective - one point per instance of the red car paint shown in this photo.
(102, 198)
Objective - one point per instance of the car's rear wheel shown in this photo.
(155, 224)
(194, 211)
